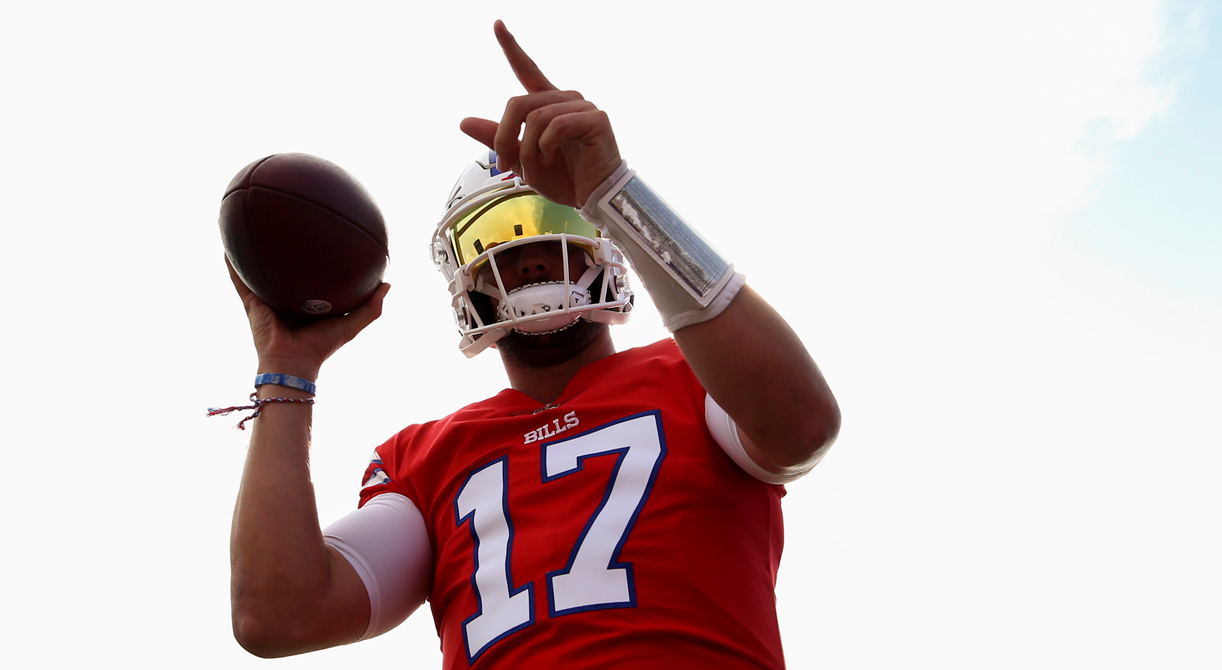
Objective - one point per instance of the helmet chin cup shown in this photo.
(540, 308)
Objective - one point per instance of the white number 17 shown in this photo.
(593, 578)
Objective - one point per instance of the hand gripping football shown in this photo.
(304, 235)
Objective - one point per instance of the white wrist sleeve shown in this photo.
(688, 280)
(387, 543)
(725, 432)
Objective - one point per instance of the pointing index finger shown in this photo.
(524, 68)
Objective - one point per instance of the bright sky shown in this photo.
(997, 230)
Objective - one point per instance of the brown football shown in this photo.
(304, 235)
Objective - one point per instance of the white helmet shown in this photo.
(489, 212)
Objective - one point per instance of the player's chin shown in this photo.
(548, 349)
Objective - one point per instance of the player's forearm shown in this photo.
(281, 568)
(745, 355)
(755, 367)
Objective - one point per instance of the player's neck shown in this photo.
(545, 384)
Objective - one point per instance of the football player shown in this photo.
(609, 509)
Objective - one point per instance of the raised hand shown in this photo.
(300, 350)
(557, 141)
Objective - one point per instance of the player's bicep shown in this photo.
(739, 447)
(385, 545)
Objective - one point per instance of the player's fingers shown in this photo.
(356, 320)
(540, 123)
(237, 281)
(586, 127)
(587, 142)
(244, 291)
(481, 130)
(505, 143)
(524, 68)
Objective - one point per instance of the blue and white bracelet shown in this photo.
(285, 380)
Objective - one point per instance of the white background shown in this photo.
(998, 231)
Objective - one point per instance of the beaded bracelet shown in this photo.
(257, 405)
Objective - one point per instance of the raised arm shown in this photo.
(755, 367)
(750, 361)
(290, 592)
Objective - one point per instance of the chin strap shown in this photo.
(687, 278)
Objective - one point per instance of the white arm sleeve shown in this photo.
(387, 543)
(725, 432)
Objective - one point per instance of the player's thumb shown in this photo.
(481, 130)
(356, 320)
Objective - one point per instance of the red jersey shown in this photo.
(605, 530)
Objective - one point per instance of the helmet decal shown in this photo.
(492, 164)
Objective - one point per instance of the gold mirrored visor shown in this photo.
(512, 218)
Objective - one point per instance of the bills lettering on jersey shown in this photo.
(548, 431)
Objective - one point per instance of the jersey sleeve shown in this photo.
(386, 539)
(385, 473)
